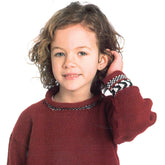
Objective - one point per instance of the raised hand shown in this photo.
(117, 63)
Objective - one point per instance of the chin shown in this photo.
(74, 87)
(70, 87)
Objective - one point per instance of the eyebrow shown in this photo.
(83, 47)
(56, 47)
(80, 47)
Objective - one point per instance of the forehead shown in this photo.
(75, 35)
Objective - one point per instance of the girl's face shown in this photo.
(75, 56)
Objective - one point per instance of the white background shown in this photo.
(141, 22)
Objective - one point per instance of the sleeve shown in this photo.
(130, 114)
(19, 139)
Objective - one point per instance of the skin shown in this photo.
(117, 64)
(75, 60)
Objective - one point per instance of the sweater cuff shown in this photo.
(116, 82)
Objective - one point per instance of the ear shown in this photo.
(103, 61)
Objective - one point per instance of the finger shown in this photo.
(118, 60)
(116, 55)
(109, 54)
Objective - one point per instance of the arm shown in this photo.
(18, 144)
(130, 114)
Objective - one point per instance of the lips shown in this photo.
(71, 76)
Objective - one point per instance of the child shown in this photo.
(78, 55)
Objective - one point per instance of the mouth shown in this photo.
(71, 76)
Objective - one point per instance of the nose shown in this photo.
(70, 61)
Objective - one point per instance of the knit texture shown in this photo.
(72, 135)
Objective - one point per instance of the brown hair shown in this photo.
(88, 15)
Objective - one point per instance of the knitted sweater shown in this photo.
(83, 133)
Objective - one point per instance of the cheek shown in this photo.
(55, 68)
(90, 68)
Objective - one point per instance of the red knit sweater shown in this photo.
(84, 133)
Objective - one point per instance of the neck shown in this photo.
(71, 96)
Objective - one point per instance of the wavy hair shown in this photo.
(88, 15)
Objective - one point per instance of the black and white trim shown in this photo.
(74, 109)
(120, 85)
(115, 80)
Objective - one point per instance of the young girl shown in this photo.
(78, 56)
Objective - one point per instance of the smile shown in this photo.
(71, 76)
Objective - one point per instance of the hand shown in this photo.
(117, 63)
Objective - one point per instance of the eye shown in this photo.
(59, 54)
(82, 53)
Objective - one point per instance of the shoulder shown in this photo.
(30, 111)
(25, 120)
(35, 106)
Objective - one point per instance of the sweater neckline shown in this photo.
(57, 106)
